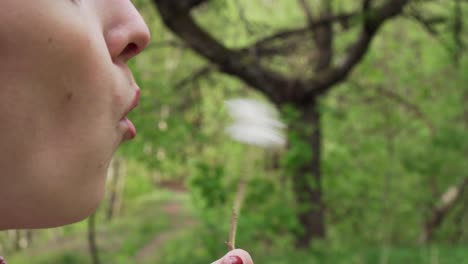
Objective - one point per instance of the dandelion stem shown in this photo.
(240, 194)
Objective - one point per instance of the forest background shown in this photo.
(374, 95)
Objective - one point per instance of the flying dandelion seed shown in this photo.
(255, 123)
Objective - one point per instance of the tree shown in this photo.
(299, 87)
(92, 245)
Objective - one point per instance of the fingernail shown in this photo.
(235, 260)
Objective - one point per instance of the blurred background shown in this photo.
(374, 94)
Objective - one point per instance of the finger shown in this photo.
(236, 256)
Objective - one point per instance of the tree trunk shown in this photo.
(93, 249)
(116, 183)
(245, 64)
(307, 178)
(15, 238)
(29, 237)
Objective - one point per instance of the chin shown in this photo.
(74, 206)
(65, 216)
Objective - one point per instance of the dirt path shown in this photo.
(175, 213)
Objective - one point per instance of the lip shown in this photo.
(133, 104)
(130, 130)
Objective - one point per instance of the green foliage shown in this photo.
(57, 258)
(394, 139)
(298, 152)
(207, 185)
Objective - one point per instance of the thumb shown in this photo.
(236, 256)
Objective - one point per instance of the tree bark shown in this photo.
(307, 178)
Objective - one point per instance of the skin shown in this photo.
(64, 89)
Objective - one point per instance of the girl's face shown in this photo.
(65, 89)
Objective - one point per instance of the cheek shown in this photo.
(84, 78)
(63, 98)
(60, 103)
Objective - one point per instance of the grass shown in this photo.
(118, 241)
(123, 239)
(393, 255)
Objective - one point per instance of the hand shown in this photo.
(236, 256)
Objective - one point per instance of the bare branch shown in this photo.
(244, 64)
(373, 20)
(287, 34)
(167, 43)
(366, 4)
(323, 36)
(408, 105)
(306, 8)
(239, 63)
(195, 76)
(426, 23)
(429, 25)
(457, 31)
(187, 5)
(281, 48)
(448, 199)
(393, 95)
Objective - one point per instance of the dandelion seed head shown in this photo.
(254, 123)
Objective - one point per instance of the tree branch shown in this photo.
(343, 18)
(439, 212)
(239, 63)
(195, 76)
(186, 5)
(372, 21)
(457, 31)
(323, 36)
(241, 12)
(408, 105)
(393, 95)
(366, 4)
(306, 8)
(243, 63)
(427, 23)
(166, 43)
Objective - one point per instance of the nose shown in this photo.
(127, 33)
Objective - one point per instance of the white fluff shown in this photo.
(254, 123)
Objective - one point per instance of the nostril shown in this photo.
(130, 50)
